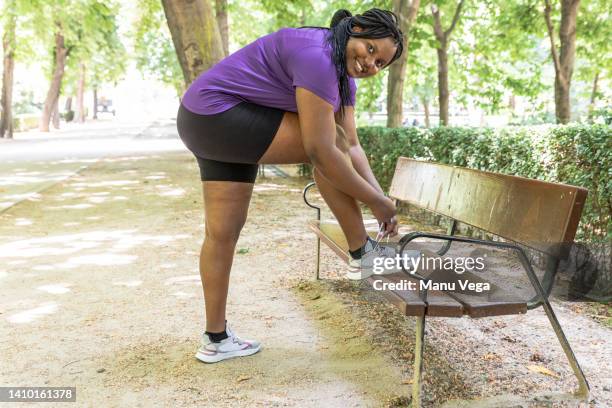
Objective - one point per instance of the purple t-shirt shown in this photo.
(266, 73)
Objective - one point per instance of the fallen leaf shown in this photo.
(542, 370)
(491, 357)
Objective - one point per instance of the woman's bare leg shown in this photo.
(226, 205)
(287, 148)
(345, 209)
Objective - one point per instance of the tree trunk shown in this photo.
(95, 103)
(397, 70)
(68, 104)
(563, 58)
(222, 23)
(80, 94)
(6, 98)
(55, 118)
(56, 81)
(562, 100)
(425, 103)
(195, 36)
(593, 95)
(443, 37)
(443, 85)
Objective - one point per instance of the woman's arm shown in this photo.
(318, 129)
(358, 156)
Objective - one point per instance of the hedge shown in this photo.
(24, 122)
(580, 155)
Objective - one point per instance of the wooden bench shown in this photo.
(524, 212)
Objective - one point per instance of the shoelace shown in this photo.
(379, 236)
(379, 250)
(235, 339)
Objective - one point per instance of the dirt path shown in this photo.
(101, 291)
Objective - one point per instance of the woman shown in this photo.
(279, 101)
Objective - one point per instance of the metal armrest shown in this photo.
(308, 187)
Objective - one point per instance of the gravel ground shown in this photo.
(101, 291)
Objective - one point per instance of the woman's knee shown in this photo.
(223, 232)
(225, 209)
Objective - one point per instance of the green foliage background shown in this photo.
(579, 155)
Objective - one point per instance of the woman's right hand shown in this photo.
(384, 210)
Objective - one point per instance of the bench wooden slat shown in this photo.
(407, 301)
(493, 302)
(438, 303)
(331, 233)
(535, 213)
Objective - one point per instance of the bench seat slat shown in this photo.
(408, 301)
(438, 303)
(493, 302)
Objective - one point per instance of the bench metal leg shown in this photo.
(318, 258)
(308, 187)
(418, 361)
(583, 385)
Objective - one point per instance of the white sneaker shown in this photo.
(364, 267)
(231, 347)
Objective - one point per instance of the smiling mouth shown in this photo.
(359, 67)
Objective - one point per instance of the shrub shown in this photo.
(580, 155)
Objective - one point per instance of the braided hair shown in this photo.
(375, 23)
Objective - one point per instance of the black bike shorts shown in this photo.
(228, 145)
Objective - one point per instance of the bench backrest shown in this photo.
(534, 213)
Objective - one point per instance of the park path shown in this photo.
(101, 291)
(34, 161)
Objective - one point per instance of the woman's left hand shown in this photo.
(391, 227)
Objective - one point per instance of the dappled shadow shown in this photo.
(128, 283)
(30, 315)
(181, 280)
(55, 288)
(260, 187)
(115, 243)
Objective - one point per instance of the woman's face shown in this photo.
(366, 56)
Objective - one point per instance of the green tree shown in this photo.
(563, 55)
(406, 12)
(153, 49)
(498, 55)
(58, 22)
(443, 37)
(9, 22)
(222, 23)
(593, 49)
(195, 35)
(99, 56)
(421, 82)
